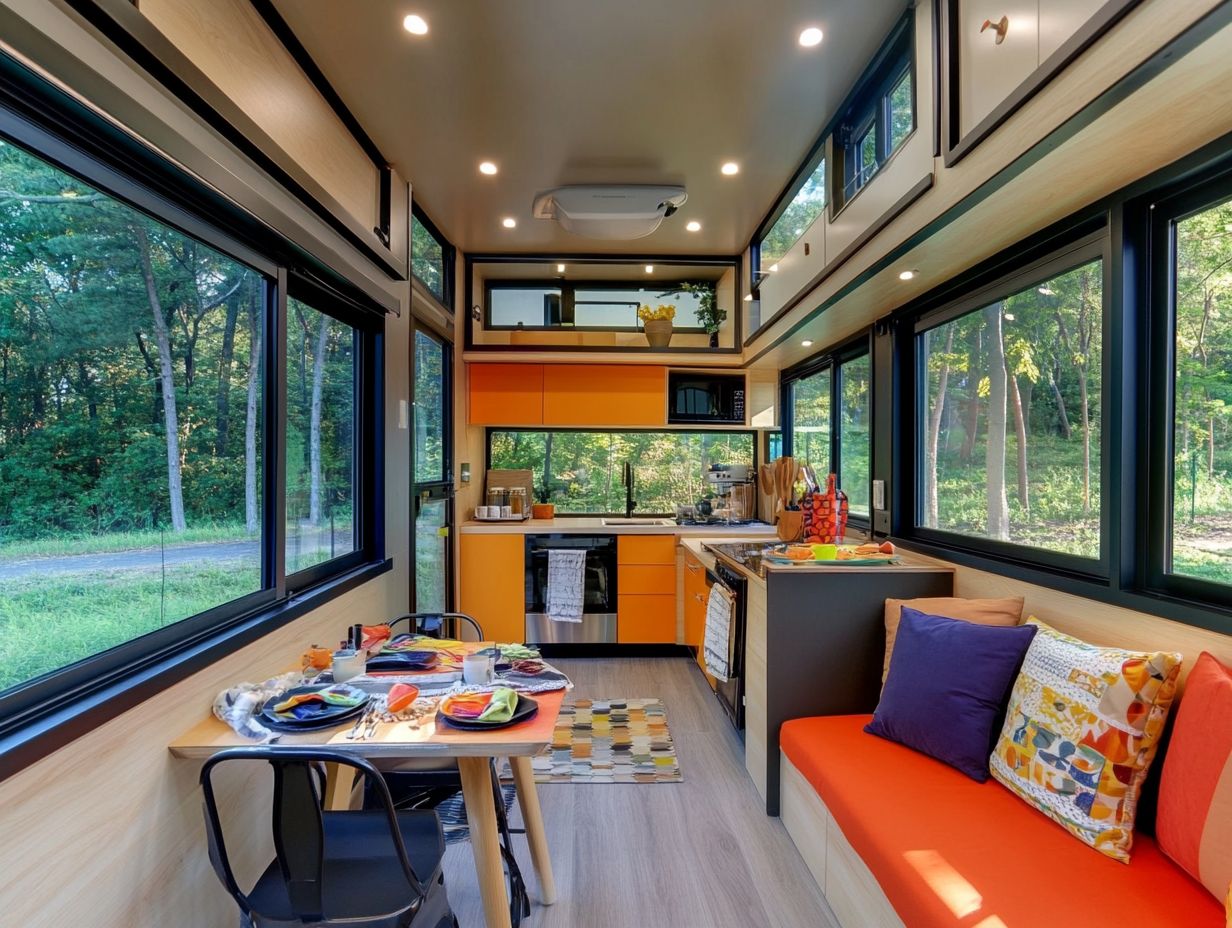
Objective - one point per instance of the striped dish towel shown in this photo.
(719, 610)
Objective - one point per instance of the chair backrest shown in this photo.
(433, 624)
(298, 824)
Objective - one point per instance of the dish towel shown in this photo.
(719, 608)
(566, 585)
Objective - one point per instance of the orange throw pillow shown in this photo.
(1193, 823)
(1003, 612)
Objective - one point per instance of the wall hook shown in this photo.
(1000, 28)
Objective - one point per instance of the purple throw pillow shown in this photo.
(948, 687)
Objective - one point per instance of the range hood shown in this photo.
(610, 211)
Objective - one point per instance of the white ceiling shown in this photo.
(592, 91)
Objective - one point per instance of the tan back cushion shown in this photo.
(1007, 611)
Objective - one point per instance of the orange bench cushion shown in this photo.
(948, 851)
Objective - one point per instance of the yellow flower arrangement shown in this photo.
(665, 312)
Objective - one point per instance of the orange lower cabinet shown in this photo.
(493, 584)
(646, 549)
(646, 618)
(646, 578)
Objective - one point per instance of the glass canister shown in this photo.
(497, 498)
(517, 501)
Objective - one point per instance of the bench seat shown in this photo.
(948, 852)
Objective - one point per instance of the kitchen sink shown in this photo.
(638, 522)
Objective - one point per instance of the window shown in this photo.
(878, 117)
(432, 496)
(580, 472)
(590, 305)
(1010, 416)
(831, 422)
(131, 422)
(430, 412)
(805, 205)
(431, 258)
(321, 471)
(1200, 536)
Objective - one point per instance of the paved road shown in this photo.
(248, 552)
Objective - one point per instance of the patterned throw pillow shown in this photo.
(1081, 730)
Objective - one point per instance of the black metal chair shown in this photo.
(376, 868)
(433, 624)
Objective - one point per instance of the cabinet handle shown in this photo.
(692, 567)
(1001, 27)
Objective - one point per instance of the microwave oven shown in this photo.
(695, 398)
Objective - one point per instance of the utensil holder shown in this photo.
(790, 525)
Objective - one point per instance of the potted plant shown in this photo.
(709, 314)
(657, 323)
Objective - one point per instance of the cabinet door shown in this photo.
(604, 395)
(1061, 19)
(646, 619)
(988, 72)
(493, 584)
(646, 549)
(505, 394)
(694, 600)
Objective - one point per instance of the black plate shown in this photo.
(525, 709)
(325, 718)
(403, 660)
(299, 728)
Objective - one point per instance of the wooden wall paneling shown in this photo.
(755, 687)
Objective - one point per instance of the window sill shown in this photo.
(34, 738)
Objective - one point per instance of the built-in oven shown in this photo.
(598, 623)
(731, 690)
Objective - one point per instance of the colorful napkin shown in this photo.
(500, 707)
(347, 696)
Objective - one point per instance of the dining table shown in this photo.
(474, 752)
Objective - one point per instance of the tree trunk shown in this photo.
(972, 424)
(1020, 433)
(314, 428)
(1086, 439)
(994, 454)
(1062, 416)
(162, 338)
(251, 514)
(934, 435)
(547, 468)
(222, 404)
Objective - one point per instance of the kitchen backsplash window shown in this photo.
(580, 472)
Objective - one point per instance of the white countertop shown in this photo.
(595, 526)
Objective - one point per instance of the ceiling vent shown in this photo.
(610, 211)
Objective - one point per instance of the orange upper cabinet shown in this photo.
(505, 394)
(604, 395)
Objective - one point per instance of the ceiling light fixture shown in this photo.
(509, 222)
(693, 226)
(807, 343)
(774, 267)
(906, 275)
(560, 269)
(415, 24)
(649, 268)
(748, 298)
(487, 167)
(811, 37)
(729, 168)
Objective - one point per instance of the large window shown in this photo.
(431, 258)
(589, 305)
(431, 487)
(580, 472)
(811, 414)
(805, 205)
(1010, 416)
(878, 118)
(855, 432)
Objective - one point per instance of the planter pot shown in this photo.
(658, 332)
(714, 339)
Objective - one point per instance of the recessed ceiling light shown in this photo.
(906, 275)
(810, 37)
(807, 343)
(649, 268)
(729, 168)
(774, 267)
(509, 222)
(415, 24)
(748, 298)
(487, 167)
(693, 226)
(560, 269)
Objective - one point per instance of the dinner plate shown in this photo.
(323, 717)
(298, 728)
(525, 709)
(402, 660)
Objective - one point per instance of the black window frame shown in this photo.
(568, 299)
(45, 713)
(449, 258)
(435, 490)
(868, 108)
(830, 362)
(1056, 258)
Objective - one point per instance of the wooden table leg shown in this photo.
(532, 818)
(339, 785)
(485, 843)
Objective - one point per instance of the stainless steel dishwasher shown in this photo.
(598, 625)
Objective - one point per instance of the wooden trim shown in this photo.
(956, 147)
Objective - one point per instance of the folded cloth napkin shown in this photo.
(718, 629)
(339, 695)
(238, 705)
(566, 584)
(500, 706)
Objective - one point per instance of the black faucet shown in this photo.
(627, 479)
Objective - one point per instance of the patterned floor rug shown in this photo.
(610, 741)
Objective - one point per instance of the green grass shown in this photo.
(69, 544)
(49, 622)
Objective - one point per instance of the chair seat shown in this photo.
(362, 877)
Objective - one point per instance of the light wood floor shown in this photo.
(697, 854)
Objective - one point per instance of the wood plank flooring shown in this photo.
(697, 854)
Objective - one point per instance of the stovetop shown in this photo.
(745, 553)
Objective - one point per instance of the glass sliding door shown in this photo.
(432, 486)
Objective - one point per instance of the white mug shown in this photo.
(349, 664)
(477, 669)
(483, 512)
(506, 512)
